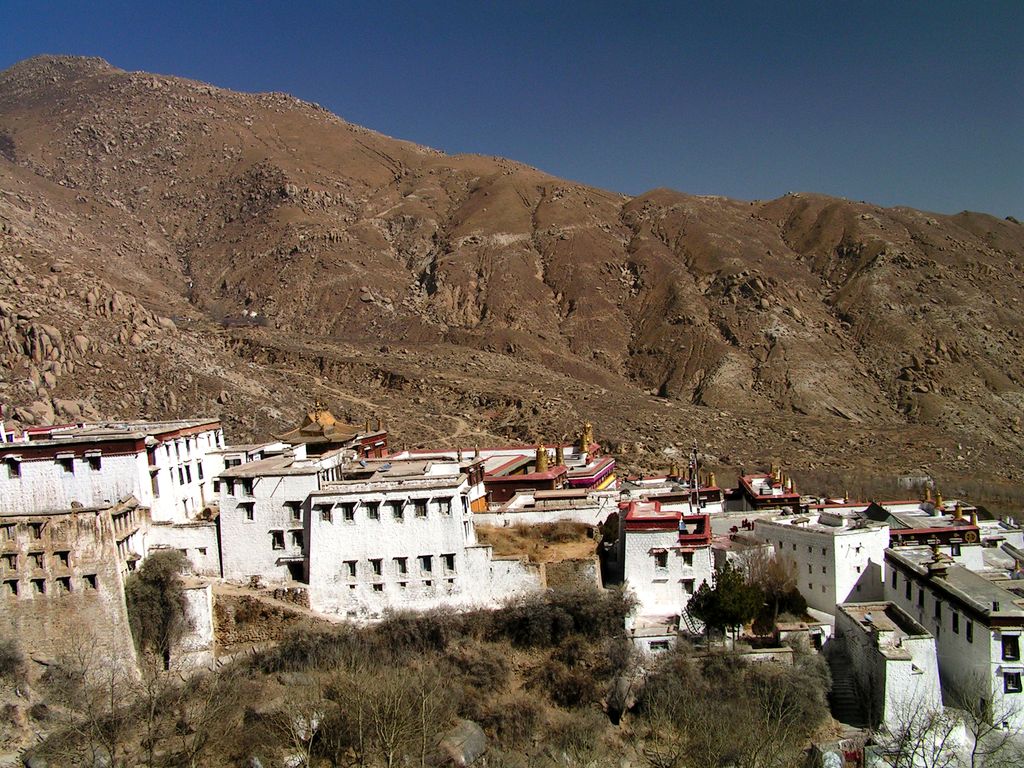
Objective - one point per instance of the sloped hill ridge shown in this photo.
(281, 238)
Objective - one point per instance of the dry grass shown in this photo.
(544, 543)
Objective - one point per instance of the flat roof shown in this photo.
(891, 623)
(962, 584)
(107, 430)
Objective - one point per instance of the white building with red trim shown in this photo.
(665, 555)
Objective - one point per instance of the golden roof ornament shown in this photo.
(542, 458)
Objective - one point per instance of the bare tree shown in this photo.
(920, 736)
(206, 711)
(99, 692)
(993, 744)
(299, 722)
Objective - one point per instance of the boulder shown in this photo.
(462, 745)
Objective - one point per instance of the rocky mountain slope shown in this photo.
(169, 247)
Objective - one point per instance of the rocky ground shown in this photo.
(168, 248)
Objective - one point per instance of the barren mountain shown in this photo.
(170, 248)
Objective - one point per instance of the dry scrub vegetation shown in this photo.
(544, 543)
(549, 681)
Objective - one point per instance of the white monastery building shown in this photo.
(977, 623)
(838, 554)
(168, 468)
(666, 556)
(893, 659)
(364, 534)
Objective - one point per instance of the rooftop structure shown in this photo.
(531, 507)
(768, 491)
(320, 432)
(511, 469)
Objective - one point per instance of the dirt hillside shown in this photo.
(170, 248)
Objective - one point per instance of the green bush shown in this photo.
(155, 596)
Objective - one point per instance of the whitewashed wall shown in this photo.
(663, 591)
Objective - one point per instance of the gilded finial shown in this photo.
(559, 455)
(542, 458)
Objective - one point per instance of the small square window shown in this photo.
(448, 563)
(67, 463)
(1011, 648)
(403, 585)
(13, 468)
(63, 585)
(95, 463)
(373, 510)
(9, 560)
(420, 505)
(348, 512)
(402, 565)
(294, 509)
(396, 510)
(277, 539)
(89, 580)
(35, 559)
(1011, 682)
(63, 558)
(39, 586)
(661, 560)
(687, 558)
(377, 566)
(297, 539)
(426, 564)
(326, 513)
(248, 510)
(378, 587)
(201, 551)
(7, 532)
(350, 568)
(445, 507)
(35, 531)
(11, 587)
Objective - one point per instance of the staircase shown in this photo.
(692, 624)
(846, 703)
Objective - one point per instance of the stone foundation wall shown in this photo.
(573, 574)
(247, 620)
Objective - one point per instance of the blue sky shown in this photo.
(898, 103)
